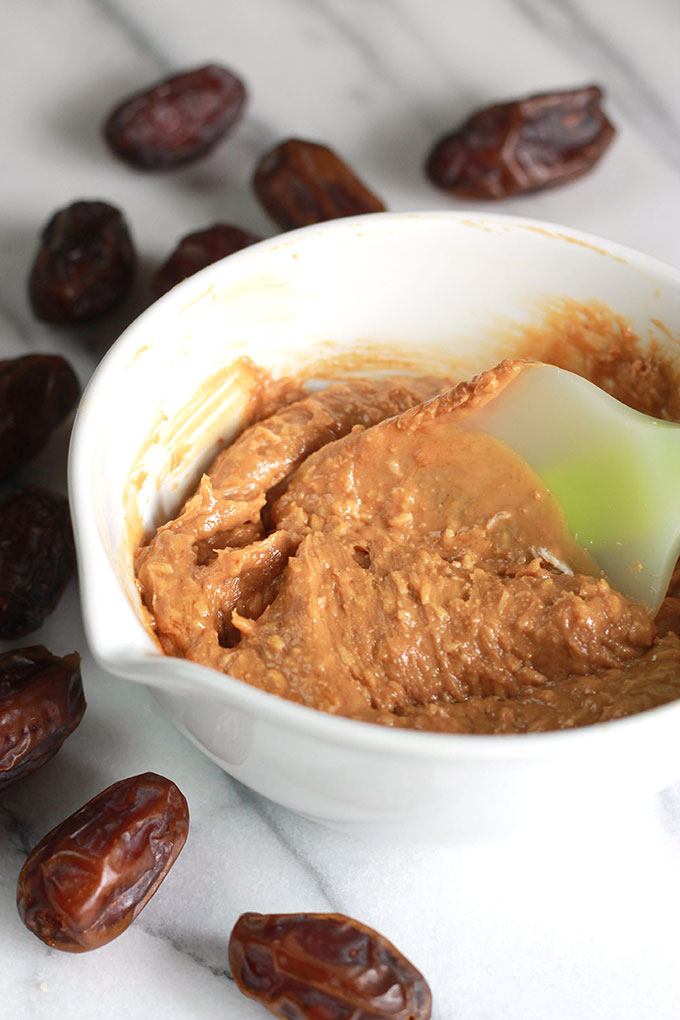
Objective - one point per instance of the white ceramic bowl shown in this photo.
(436, 288)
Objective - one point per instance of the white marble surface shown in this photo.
(578, 929)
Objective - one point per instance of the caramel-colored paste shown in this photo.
(363, 553)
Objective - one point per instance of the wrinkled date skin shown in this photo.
(37, 558)
(84, 266)
(522, 146)
(176, 120)
(89, 878)
(300, 182)
(324, 967)
(37, 392)
(41, 704)
(198, 250)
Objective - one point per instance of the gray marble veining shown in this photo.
(583, 927)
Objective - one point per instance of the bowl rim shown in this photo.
(149, 668)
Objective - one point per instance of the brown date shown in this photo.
(324, 967)
(300, 182)
(522, 146)
(89, 878)
(198, 250)
(84, 266)
(176, 120)
(37, 558)
(41, 704)
(37, 392)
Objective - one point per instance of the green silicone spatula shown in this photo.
(615, 472)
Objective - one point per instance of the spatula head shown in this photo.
(615, 472)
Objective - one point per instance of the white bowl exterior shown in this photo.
(437, 287)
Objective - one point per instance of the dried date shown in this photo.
(198, 250)
(37, 392)
(300, 182)
(323, 967)
(522, 146)
(89, 878)
(176, 120)
(37, 558)
(84, 266)
(41, 704)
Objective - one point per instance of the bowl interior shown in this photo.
(381, 294)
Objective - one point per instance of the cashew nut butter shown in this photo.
(363, 553)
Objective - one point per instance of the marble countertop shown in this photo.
(575, 928)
